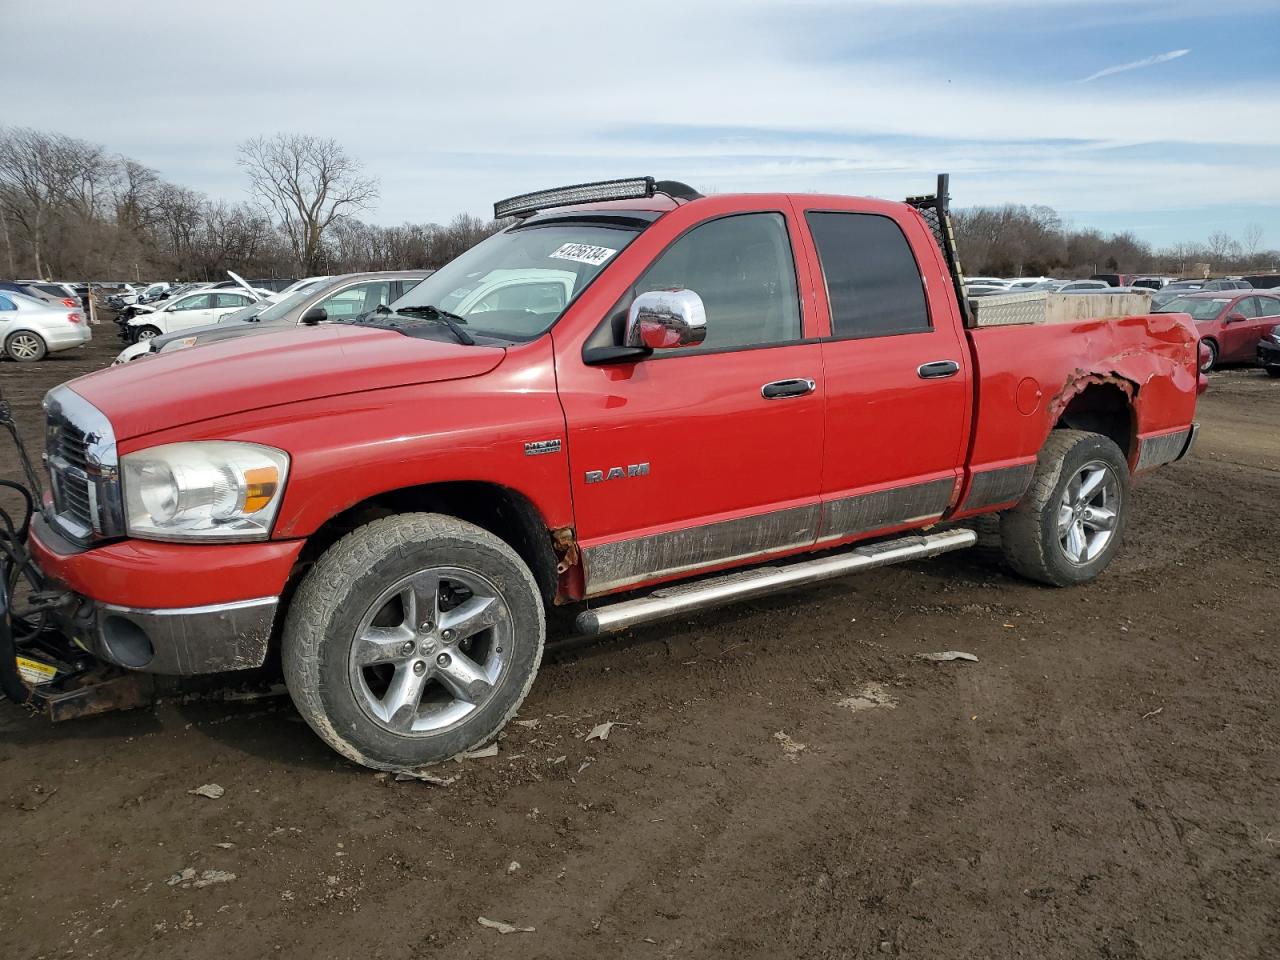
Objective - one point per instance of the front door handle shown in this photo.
(781, 389)
(937, 369)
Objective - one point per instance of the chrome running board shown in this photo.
(758, 581)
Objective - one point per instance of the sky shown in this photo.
(1161, 117)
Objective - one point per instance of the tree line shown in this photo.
(72, 210)
(1032, 241)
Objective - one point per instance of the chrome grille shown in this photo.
(80, 454)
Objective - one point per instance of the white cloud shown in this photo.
(1137, 64)
(454, 105)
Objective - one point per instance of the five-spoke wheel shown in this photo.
(1087, 512)
(413, 639)
(430, 650)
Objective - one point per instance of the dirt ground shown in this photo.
(1104, 782)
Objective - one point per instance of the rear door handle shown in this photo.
(937, 369)
(781, 389)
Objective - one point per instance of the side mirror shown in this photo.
(1235, 317)
(315, 315)
(666, 319)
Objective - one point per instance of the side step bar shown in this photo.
(758, 581)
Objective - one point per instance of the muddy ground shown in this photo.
(1104, 782)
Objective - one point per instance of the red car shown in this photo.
(1230, 322)
(669, 386)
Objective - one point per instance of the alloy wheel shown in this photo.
(1088, 512)
(430, 651)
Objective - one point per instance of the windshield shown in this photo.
(1199, 309)
(517, 283)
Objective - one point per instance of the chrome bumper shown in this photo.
(183, 641)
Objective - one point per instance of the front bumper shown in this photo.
(1269, 353)
(180, 609)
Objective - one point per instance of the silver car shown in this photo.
(31, 329)
(334, 298)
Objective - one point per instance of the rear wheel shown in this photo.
(1211, 356)
(413, 639)
(146, 333)
(25, 347)
(1070, 524)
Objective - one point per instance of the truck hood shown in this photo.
(250, 373)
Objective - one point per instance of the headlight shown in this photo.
(206, 490)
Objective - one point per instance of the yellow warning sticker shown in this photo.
(33, 671)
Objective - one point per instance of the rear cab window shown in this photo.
(874, 285)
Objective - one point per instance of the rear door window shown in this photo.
(873, 282)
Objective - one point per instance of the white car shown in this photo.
(182, 313)
(30, 329)
(1026, 283)
(986, 282)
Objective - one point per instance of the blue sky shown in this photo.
(454, 106)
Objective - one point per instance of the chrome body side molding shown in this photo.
(1001, 485)
(1165, 448)
(611, 566)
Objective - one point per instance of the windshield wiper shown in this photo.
(450, 320)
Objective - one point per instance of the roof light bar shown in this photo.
(630, 188)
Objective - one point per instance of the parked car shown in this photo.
(28, 290)
(31, 329)
(1154, 283)
(392, 495)
(1113, 279)
(1263, 281)
(182, 313)
(154, 293)
(1269, 352)
(1077, 286)
(1230, 323)
(986, 281)
(1181, 287)
(58, 291)
(339, 297)
(1023, 284)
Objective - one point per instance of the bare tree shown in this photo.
(1219, 246)
(1252, 241)
(31, 181)
(310, 183)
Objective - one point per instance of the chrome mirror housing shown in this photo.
(666, 319)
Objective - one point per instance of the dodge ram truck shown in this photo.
(740, 393)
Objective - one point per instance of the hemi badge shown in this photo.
(537, 447)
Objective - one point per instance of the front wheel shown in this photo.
(1273, 371)
(1210, 356)
(413, 639)
(146, 333)
(1070, 523)
(25, 347)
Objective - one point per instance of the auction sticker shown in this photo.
(583, 253)
(35, 672)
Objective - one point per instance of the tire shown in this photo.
(372, 584)
(1035, 544)
(1212, 361)
(1273, 371)
(25, 346)
(146, 333)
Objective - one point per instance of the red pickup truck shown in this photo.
(656, 386)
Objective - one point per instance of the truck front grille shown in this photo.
(80, 454)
